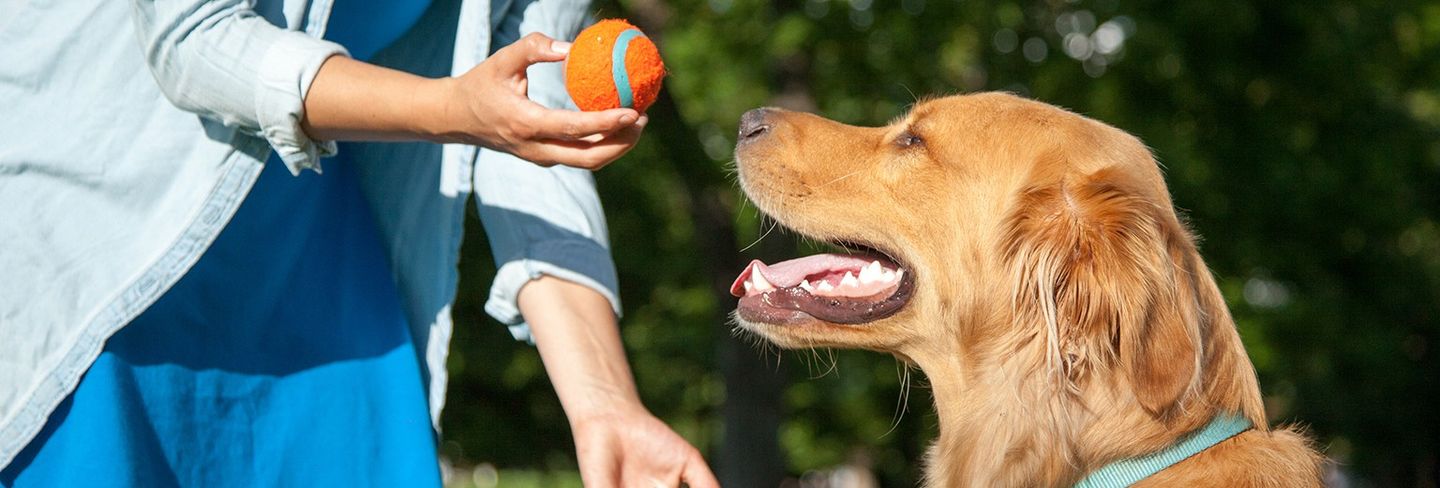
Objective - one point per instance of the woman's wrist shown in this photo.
(438, 116)
(601, 405)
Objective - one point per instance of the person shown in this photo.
(184, 304)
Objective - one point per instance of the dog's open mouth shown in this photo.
(837, 288)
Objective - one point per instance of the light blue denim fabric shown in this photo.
(129, 134)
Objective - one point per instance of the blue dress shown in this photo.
(281, 359)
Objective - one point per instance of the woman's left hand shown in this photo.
(632, 448)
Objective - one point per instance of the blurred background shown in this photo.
(1301, 136)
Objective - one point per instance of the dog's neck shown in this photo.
(1002, 426)
(994, 431)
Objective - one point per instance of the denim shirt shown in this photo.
(131, 132)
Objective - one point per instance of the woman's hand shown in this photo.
(487, 106)
(630, 447)
(618, 442)
(493, 111)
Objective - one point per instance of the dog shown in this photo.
(1029, 261)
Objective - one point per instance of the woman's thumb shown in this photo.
(531, 49)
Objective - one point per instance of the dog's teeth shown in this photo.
(887, 276)
(870, 273)
(748, 287)
(762, 285)
(849, 280)
(805, 285)
(825, 286)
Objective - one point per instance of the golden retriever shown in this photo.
(1029, 261)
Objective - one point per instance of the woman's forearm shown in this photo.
(354, 100)
(579, 341)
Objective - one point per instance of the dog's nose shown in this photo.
(755, 123)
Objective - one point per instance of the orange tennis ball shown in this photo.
(612, 65)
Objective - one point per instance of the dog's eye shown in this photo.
(909, 139)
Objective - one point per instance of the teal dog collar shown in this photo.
(1126, 472)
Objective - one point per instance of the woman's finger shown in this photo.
(697, 474)
(570, 125)
(586, 154)
(598, 469)
(531, 49)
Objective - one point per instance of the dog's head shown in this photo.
(986, 226)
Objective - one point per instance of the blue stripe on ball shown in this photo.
(617, 67)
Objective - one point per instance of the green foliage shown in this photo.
(1301, 136)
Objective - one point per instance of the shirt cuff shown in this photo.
(579, 261)
(286, 71)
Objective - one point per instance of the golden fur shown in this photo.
(1062, 313)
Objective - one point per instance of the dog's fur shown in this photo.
(1061, 312)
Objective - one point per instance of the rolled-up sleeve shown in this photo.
(221, 60)
(541, 221)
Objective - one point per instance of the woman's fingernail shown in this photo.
(561, 47)
(627, 119)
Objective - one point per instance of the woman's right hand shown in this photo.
(490, 108)
(487, 106)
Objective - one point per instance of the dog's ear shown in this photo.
(1105, 275)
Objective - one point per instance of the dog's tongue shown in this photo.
(790, 273)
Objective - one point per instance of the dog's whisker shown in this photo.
(834, 365)
(914, 99)
(763, 348)
(804, 357)
(902, 404)
(773, 224)
(828, 183)
(816, 364)
(810, 367)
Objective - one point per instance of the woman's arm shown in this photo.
(487, 106)
(618, 441)
(220, 60)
